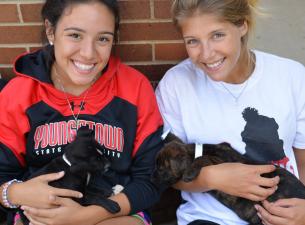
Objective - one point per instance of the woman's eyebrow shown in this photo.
(83, 31)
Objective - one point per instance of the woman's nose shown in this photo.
(87, 49)
(206, 51)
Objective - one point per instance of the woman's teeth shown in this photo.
(214, 65)
(83, 66)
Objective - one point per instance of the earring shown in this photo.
(51, 43)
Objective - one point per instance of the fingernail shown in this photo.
(80, 195)
(61, 173)
(256, 207)
(259, 215)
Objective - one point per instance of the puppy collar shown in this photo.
(198, 150)
(66, 160)
(164, 135)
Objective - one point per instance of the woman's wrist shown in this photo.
(93, 214)
(16, 193)
(7, 199)
(207, 178)
(202, 183)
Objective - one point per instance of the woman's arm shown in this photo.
(235, 179)
(34, 192)
(61, 215)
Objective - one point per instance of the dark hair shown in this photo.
(52, 11)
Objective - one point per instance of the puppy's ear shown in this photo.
(190, 175)
(102, 164)
(191, 169)
(171, 137)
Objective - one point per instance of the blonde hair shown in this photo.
(234, 11)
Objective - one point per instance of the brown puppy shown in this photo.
(176, 161)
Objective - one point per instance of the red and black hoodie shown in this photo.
(2, 83)
(36, 123)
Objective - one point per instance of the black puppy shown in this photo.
(81, 158)
(176, 161)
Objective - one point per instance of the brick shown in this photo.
(153, 72)
(139, 9)
(170, 52)
(8, 13)
(31, 12)
(139, 52)
(162, 9)
(141, 33)
(20, 34)
(8, 55)
(149, 31)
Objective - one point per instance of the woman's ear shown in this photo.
(49, 31)
(244, 28)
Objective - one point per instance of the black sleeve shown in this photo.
(2, 83)
(141, 192)
(10, 167)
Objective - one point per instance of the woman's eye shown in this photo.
(218, 35)
(74, 36)
(103, 39)
(191, 42)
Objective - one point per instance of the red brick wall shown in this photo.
(148, 40)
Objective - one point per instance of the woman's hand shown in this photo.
(282, 212)
(36, 192)
(66, 212)
(243, 180)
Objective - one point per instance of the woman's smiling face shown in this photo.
(215, 46)
(83, 40)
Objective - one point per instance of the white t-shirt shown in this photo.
(264, 117)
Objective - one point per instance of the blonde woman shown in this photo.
(226, 92)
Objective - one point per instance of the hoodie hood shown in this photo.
(33, 65)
